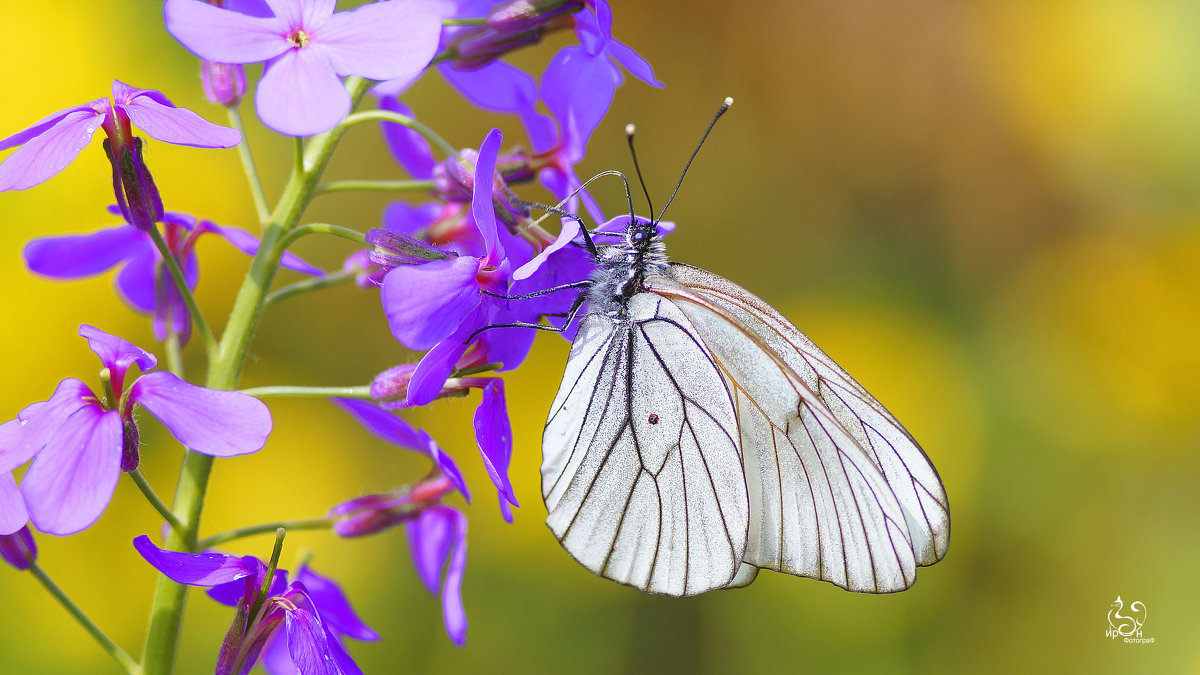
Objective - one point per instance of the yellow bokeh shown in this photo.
(988, 213)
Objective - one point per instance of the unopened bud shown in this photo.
(479, 49)
(522, 15)
(130, 455)
(18, 549)
(134, 187)
(224, 83)
(390, 249)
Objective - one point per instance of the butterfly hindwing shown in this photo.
(641, 470)
(838, 490)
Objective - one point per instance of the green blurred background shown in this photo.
(986, 211)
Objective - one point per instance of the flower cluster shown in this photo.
(462, 277)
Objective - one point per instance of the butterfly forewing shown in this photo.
(908, 471)
(641, 471)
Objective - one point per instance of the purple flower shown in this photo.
(53, 142)
(307, 47)
(437, 540)
(143, 282)
(18, 548)
(312, 611)
(80, 441)
(426, 303)
(224, 83)
(13, 515)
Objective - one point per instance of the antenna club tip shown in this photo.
(728, 101)
(630, 129)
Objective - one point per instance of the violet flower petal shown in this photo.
(496, 87)
(509, 346)
(136, 280)
(235, 592)
(482, 204)
(213, 422)
(154, 114)
(13, 515)
(72, 480)
(570, 230)
(82, 255)
(404, 218)
(384, 424)
(307, 642)
(97, 107)
(382, 40)
(248, 244)
(436, 365)
(448, 467)
(430, 537)
(409, 148)
(222, 35)
(634, 63)
(578, 89)
(36, 424)
(193, 569)
(300, 94)
(438, 534)
(117, 354)
(493, 434)
(49, 152)
(426, 303)
(335, 609)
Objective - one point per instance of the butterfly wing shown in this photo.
(838, 489)
(641, 471)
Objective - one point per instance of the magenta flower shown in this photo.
(312, 612)
(143, 282)
(80, 441)
(426, 303)
(13, 515)
(53, 142)
(307, 46)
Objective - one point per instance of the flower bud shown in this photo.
(376, 513)
(522, 15)
(134, 187)
(129, 447)
(224, 83)
(479, 49)
(18, 549)
(390, 249)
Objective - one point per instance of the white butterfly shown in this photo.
(698, 437)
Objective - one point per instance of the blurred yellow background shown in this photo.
(988, 212)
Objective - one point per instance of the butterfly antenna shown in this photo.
(720, 111)
(630, 130)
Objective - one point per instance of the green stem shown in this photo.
(210, 343)
(243, 532)
(322, 228)
(174, 354)
(127, 664)
(152, 497)
(308, 285)
(225, 367)
(375, 186)
(309, 392)
(256, 188)
(404, 120)
(481, 21)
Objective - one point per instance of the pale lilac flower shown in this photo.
(53, 142)
(307, 46)
(298, 626)
(80, 441)
(13, 515)
(143, 281)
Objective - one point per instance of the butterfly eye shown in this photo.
(653, 419)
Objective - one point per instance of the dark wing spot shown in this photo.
(653, 419)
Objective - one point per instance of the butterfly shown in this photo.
(698, 437)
